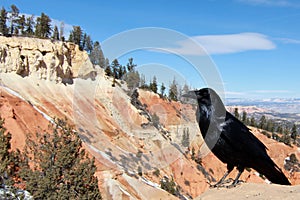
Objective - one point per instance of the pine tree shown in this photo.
(9, 160)
(253, 122)
(143, 82)
(55, 34)
(14, 14)
(60, 167)
(89, 45)
(83, 43)
(3, 19)
(185, 90)
(279, 129)
(61, 31)
(294, 133)
(244, 117)
(270, 125)
(262, 122)
(185, 137)
(43, 26)
(96, 55)
(130, 65)
(162, 90)
(236, 113)
(115, 66)
(76, 36)
(132, 77)
(153, 85)
(286, 138)
(29, 24)
(173, 91)
(21, 23)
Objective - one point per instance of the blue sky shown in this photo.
(254, 44)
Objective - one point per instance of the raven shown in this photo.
(231, 141)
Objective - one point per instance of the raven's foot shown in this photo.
(234, 184)
(221, 183)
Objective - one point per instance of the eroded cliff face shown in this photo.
(45, 59)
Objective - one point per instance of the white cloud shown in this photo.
(278, 3)
(288, 40)
(223, 44)
(271, 91)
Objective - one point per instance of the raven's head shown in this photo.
(203, 96)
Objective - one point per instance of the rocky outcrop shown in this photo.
(45, 59)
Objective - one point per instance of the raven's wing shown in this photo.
(240, 138)
(250, 151)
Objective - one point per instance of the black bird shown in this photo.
(231, 141)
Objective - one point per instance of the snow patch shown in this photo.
(155, 185)
(14, 93)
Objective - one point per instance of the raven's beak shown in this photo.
(191, 94)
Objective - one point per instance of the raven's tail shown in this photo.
(272, 172)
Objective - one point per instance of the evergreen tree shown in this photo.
(143, 81)
(162, 90)
(108, 71)
(83, 41)
(76, 36)
(270, 126)
(122, 71)
(89, 45)
(279, 129)
(21, 23)
(43, 26)
(173, 91)
(253, 122)
(185, 90)
(3, 19)
(294, 132)
(130, 65)
(61, 31)
(60, 167)
(9, 160)
(185, 137)
(236, 113)
(29, 24)
(286, 138)
(169, 186)
(153, 85)
(14, 14)
(132, 79)
(155, 120)
(96, 55)
(115, 66)
(244, 117)
(262, 122)
(55, 34)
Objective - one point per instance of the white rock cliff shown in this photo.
(49, 60)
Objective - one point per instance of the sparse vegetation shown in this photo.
(280, 132)
(185, 141)
(155, 120)
(156, 172)
(292, 164)
(10, 161)
(140, 171)
(169, 186)
(57, 167)
(52, 166)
